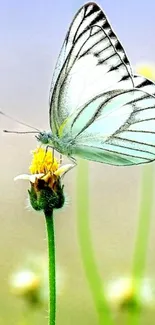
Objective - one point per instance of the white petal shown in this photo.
(63, 169)
(28, 177)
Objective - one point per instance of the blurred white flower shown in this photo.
(24, 281)
(31, 280)
(127, 292)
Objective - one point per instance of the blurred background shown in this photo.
(31, 35)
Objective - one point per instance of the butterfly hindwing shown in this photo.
(123, 131)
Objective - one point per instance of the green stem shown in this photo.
(51, 268)
(142, 238)
(87, 253)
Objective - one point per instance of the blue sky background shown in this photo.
(31, 36)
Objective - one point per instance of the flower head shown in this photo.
(130, 293)
(30, 280)
(46, 191)
(25, 283)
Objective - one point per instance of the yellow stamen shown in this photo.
(43, 162)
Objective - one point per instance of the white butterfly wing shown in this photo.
(91, 62)
(120, 130)
(96, 101)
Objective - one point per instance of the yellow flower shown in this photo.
(147, 70)
(46, 191)
(42, 162)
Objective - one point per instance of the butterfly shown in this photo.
(99, 110)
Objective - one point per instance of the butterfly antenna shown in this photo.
(22, 123)
(20, 132)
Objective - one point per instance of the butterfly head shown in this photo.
(44, 137)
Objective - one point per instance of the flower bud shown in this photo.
(46, 193)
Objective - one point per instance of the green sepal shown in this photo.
(45, 198)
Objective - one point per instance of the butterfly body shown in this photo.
(99, 110)
(63, 146)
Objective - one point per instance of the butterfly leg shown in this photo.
(60, 159)
(74, 162)
(47, 147)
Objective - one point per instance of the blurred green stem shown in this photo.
(142, 237)
(87, 253)
(51, 268)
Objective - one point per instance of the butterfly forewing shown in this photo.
(91, 61)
